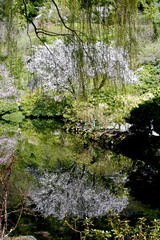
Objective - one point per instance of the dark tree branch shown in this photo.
(72, 30)
(38, 31)
(46, 32)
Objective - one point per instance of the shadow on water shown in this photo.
(144, 179)
(62, 177)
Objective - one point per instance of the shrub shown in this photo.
(43, 106)
(117, 228)
(149, 78)
(16, 117)
(7, 107)
(146, 116)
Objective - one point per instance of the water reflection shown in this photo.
(144, 182)
(63, 175)
(76, 192)
(7, 148)
(71, 178)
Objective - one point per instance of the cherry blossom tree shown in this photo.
(78, 69)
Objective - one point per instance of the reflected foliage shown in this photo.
(67, 176)
(69, 171)
(13, 187)
(7, 107)
(145, 175)
(43, 125)
(144, 181)
(77, 192)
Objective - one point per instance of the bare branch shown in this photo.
(72, 30)
(75, 230)
(46, 32)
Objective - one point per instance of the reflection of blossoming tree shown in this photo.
(78, 69)
(7, 161)
(4, 198)
(75, 193)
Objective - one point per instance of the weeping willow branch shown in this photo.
(117, 30)
(44, 31)
(40, 31)
(72, 30)
(9, 22)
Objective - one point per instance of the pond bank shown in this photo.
(119, 138)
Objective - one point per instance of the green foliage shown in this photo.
(13, 117)
(145, 114)
(7, 107)
(149, 77)
(2, 7)
(113, 99)
(150, 53)
(105, 107)
(151, 12)
(42, 106)
(32, 8)
(117, 228)
(114, 103)
(46, 107)
(151, 9)
(16, 67)
(28, 103)
(7, 127)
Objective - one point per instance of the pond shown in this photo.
(52, 176)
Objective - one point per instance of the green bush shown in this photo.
(28, 103)
(7, 107)
(149, 78)
(120, 229)
(146, 114)
(13, 117)
(43, 106)
(46, 107)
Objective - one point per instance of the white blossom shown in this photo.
(74, 193)
(61, 66)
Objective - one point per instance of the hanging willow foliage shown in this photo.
(90, 20)
(85, 20)
(9, 48)
(113, 22)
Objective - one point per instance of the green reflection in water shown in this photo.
(43, 147)
(57, 152)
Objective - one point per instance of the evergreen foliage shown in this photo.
(146, 116)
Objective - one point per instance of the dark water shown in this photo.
(59, 176)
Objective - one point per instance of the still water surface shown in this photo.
(61, 175)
